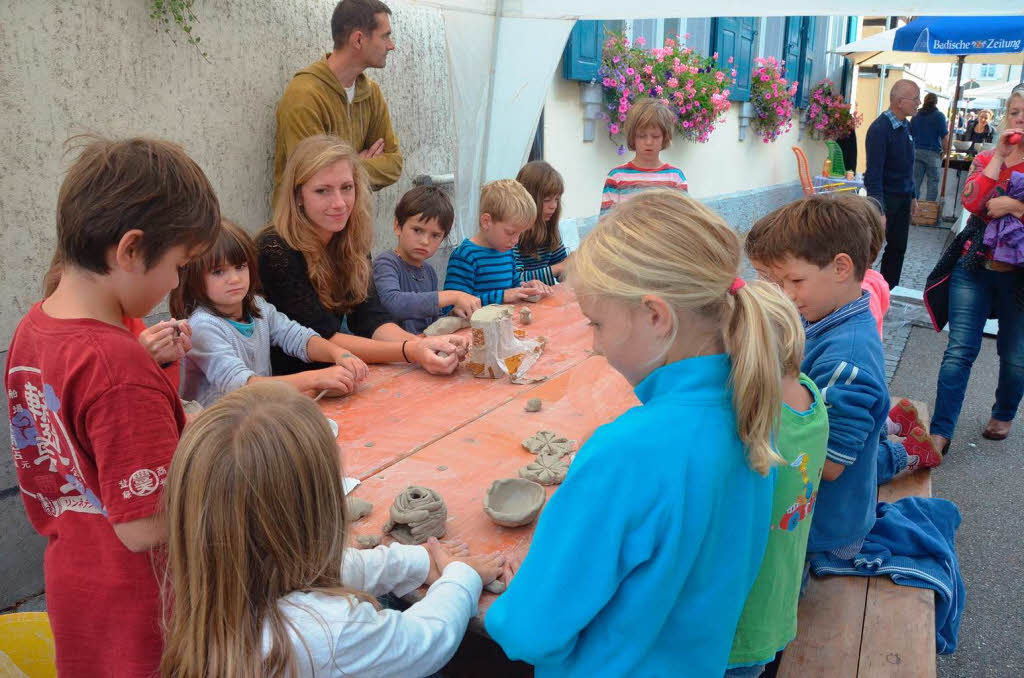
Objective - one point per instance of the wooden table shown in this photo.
(458, 434)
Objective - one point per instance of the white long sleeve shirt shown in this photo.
(349, 638)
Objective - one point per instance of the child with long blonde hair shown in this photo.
(768, 622)
(260, 579)
(540, 254)
(663, 518)
(233, 328)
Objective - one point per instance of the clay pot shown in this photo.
(512, 502)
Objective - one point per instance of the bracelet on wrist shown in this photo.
(404, 356)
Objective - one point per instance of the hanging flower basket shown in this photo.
(772, 98)
(693, 86)
(829, 116)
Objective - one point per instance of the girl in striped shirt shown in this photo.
(540, 254)
(648, 129)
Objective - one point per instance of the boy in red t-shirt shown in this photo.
(93, 421)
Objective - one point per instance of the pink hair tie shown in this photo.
(736, 285)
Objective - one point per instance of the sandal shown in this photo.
(944, 447)
(996, 430)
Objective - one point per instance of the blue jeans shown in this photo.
(926, 167)
(972, 295)
(745, 671)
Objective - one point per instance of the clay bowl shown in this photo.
(512, 502)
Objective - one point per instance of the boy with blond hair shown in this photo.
(94, 421)
(648, 130)
(817, 249)
(484, 265)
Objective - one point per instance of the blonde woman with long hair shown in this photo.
(260, 581)
(663, 518)
(314, 262)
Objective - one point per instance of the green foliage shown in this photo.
(179, 13)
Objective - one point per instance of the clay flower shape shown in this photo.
(549, 442)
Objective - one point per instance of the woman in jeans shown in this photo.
(980, 286)
(929, 128)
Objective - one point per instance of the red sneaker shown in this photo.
(919, 443)
(904, 415)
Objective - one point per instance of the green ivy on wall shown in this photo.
(178, 12)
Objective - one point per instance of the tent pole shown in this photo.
(495, 39)
(949, 138)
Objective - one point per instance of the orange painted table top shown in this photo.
(458, 434)
(462, 465)
(401, 408)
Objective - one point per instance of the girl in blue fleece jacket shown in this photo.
(644, 556)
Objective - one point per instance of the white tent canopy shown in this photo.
(876, 50)
(502, 55)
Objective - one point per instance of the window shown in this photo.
(987, 71)
(798, 51)
(653, 31)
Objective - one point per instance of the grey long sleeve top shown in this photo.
(408, 293)
(223, 359)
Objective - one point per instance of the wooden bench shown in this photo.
(866, 627)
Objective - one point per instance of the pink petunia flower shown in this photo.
(613, 128)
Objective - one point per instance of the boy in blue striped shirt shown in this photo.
(484, 265)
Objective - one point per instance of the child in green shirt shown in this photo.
(768, 622)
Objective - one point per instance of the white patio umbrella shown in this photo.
(877, 50)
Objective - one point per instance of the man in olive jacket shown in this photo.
(334, 96)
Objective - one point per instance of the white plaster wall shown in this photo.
(102, 66)
(722, 165)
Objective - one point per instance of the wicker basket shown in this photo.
(927, 213)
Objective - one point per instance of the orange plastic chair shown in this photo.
(804, 171)
(26, 645)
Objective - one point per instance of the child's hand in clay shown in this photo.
(354, 365)
(453, 548)
(424, 352)
(167, 341)
(488, 566)
(337, 380)
(463, 303)
(536, 287)
(516, 294)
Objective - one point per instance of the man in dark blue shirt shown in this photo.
(889, 178)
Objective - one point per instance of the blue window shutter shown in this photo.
(735, 37)
(807, 65)
(582, 57)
